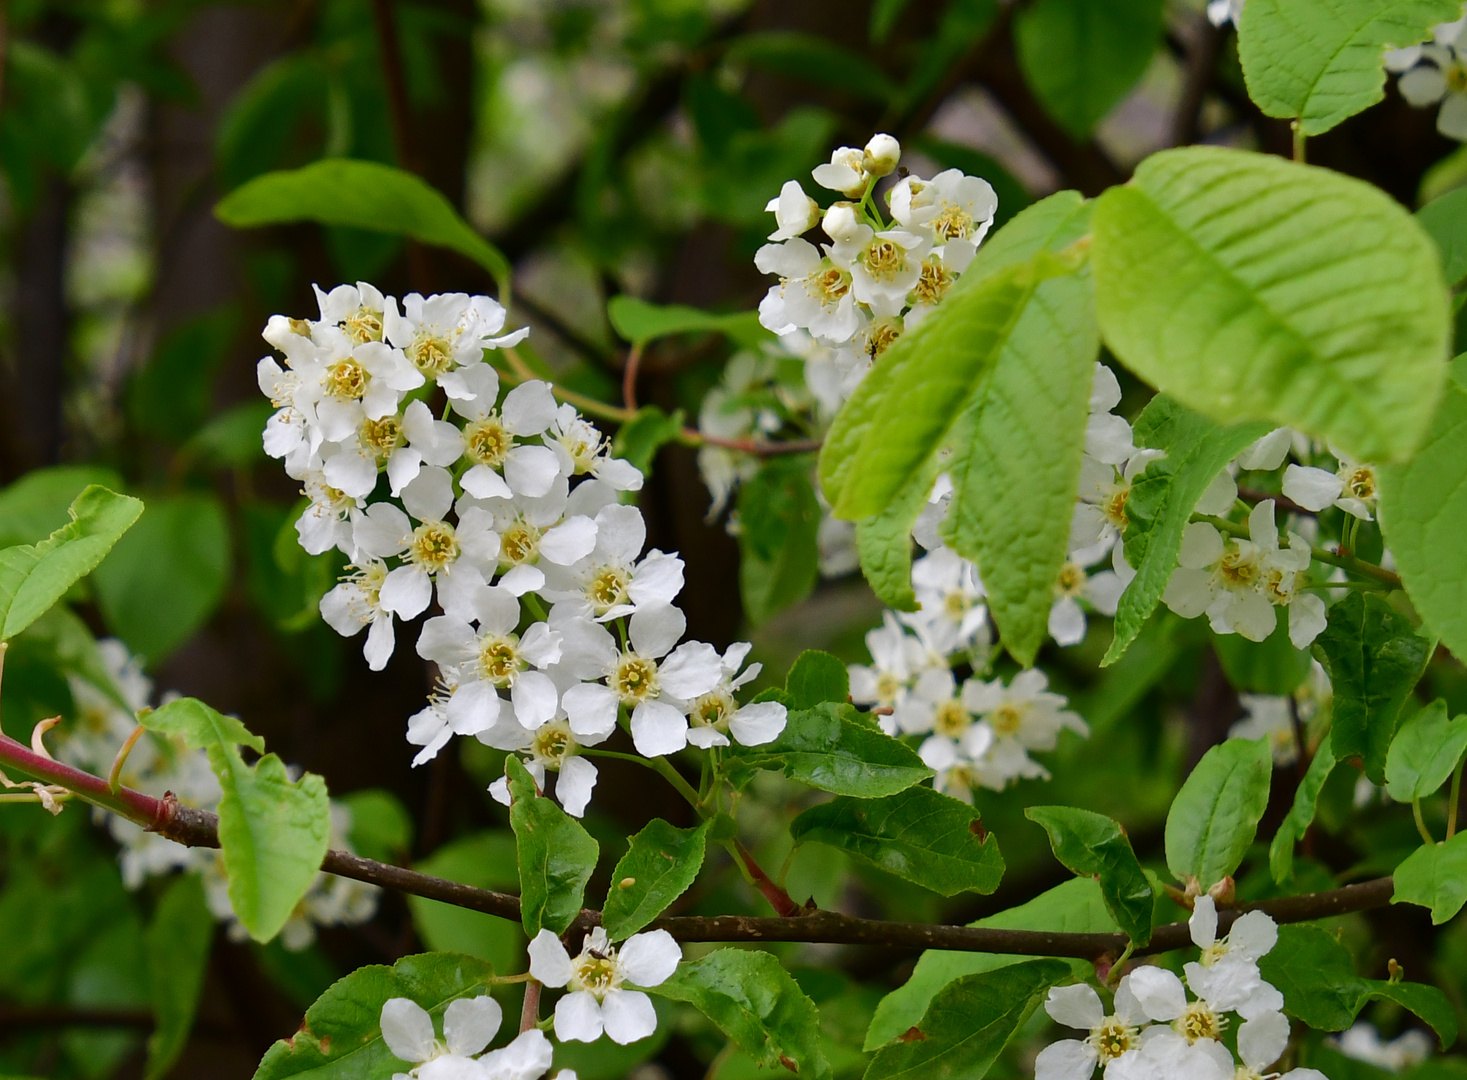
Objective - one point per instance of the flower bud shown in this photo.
(881, 155)
(794, 211)
(841, 222)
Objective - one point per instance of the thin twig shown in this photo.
(530, 1011)
(629, 377)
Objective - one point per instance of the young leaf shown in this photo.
(828, 748)
(200, 726)
(1445, 221)
(1015, 476)
(362, 195)
(658, 867)
(1315, 974)
(177, 943)
(1215, 816)
(920, 835)
(640, 322)
(1162, 499)
(1423, 514)
(639, 439)
(341, 1036)
(1093, 845)
(1321, 60)
(756, 1003)
(779, 556)
(1253, 288)
(816, 677)
(1424, 753)
(1435, 876)
(1301, 813)
(557, 856)
(36, 505)
(969, 1022)
(1374, 657)
(1082, 58)
(34, 576)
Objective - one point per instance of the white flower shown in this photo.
(503, 465)
(1433, 73)
(1167, 1056)
(845, 173)
(1279, 578)
(794, 211)
(897, 657)
(357, 602)
(881, 156)
(957, 209)
(596, 999)
(552, 747)
(1108, 437)
(528, 1057)
(716, 715)
(949, 589)
(357, 310)
(1101, 590)
(442, 332)
(1363, 1043)
(330, 520)
(587, 450)
(547, 529)
(1352, 487)
(1268, 717)
(813, 292)
(468, 1026)
(1108, 1036)
(610, 582)
(884, 266)
(1227, 978)
(840, 221)
(345, 383)
(434, 550)
(1025, 711)
(1100, 508)
(1226, 579)
(401, 443)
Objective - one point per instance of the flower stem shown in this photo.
(662, 767)
(1421, 823)
(530, 1011)
(1348, 563)
(114, 778)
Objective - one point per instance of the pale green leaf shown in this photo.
(177, 942)
(1253, 288)
(1424, 752)
(830, 748)
(1095, 846)
(556, 855)
(1215, 816)
(1435, 876)
(919, 835)
(661, 862)
(816, 677)
(1301, 814)
(35, 506)
(1323, 60)
(200, 726)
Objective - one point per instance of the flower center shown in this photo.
(955, 604)
(369, 580)
(300, 326)
(363, 325)
(713, 709)
(887, 687)
(1456, 78)
(635, 679)
(487, 441)
(884, 260)
(1214, 952)
(499, 659)
(382, 436)
(595, 973)
(1278, 587)
(953, 222)
(1007, 719)
(553, 744)
(1360, 482)
(882, 333)
(430, 354)
(346, 380)
(434, 546)
(1113, 506)
(520, 543)
(933, 285)
(1112, 1038)
(950, 718)
(830, 284)
(1200, 1022)
(607, 588)
(1238, 569)
(582, 442)
(1071, 580)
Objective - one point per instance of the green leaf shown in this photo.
(1015, 475)
(1253, 288)
(231, 440)
(779, 556)
(1424, 753)
(639, 439)
(969, 1022)
(363, 195)
(1162, 499)
(556, 855)
(1214, 817)
(884, 542)
(639, 322)
(1423, 514)
(1075, 907)
(661, 862)
(1445, 221)
(341, 1036)
(814, 678)
(905, 407)
(485, 860)
(199, 726)
(1323, 60)
(1435, 876)
(1301, 814)
(920, 835)
(381, 827)
(829, 748)
(813, 59)
(1081, 58)
(34, 576)
(168, 575)
(1374, 657)
(756, 1003)
(1093, 845)
(177, 942)
(1315, 974)
(36, 505)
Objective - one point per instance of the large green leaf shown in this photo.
(969, 1022)
(177, 943)
(905, 407)
(1095, 846)
(1322, 60)
(1301, 814)
(661, 862)
(920, 835)
(1253, 288)
(884, 542)
(1317, 978)
(341, 1036)
(168, 575)
(1215, 816)
(362, 195)
(1424, 753)
(1081, 58)
(1015, 476)
(1162, 499)
(34, 576)
(1435, 877)
(1423, 514)
(779, 556)
(1374, 657)
(757, 1004)
(556, 855)
(831, 748)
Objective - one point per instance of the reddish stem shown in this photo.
(777, 897)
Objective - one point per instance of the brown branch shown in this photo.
(197, 828)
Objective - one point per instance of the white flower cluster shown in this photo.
(509, 516)
(157, 765)
(1436, 72)
(1362, 1042)
(469, 1025)
(1153, 1032)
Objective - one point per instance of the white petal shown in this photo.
(531, 470)
(757, 724)
(528, 1057)
(406, 592)
(1066, 621)
(658, 729)
(1268, 453)
(529, 408)
(628, 1016)
(380, 643)
(1219, 496)
(1253, 935)
(1075, 1006)
(1261, 1041)
(430, 494)
(473, 708)
(351, 473)
(649, 959)
(591, 709)
(1452, 120)
(383, 530)
(1203, 923)
(1159, 992)
(574, 785)
(519, 580)
(482, 482)
(1068, 1059)
(577, 1017)
(549, 962)
(1422, 86)
(569, 542)
(693, 669)
(1108, 438)
(621, 475)
(446, 640)
(535, 699)
(1202, 545)
(470, 1023)
(1307, 619)
(1313, 489)
(655, 630)
(407, 1029)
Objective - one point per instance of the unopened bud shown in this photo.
(794, 211)
(841, 222)
(1224, 892)
(881, 155)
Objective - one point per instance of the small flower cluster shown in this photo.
(1154, 1032)
(509, 516)
(469, 1025)
(156, 765)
